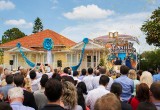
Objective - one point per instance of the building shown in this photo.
(65, 50)
(121, 46)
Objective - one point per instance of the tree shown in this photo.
(151, 28)
(12, 34)
(150, 59)
(38, 26)
(102, 62)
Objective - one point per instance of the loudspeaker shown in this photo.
(59, 63)
(11, 62)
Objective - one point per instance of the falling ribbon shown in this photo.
(85, 41)
(31, 64)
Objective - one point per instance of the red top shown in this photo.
(134, 103)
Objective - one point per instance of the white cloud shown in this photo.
(54, 2)
(125, 24)
(19, 23)
(88, 12)
(6, 5)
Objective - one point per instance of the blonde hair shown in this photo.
(110, 99)
(132, 74)
(24, 72)
(27, 81)
(146, 77)
(69, 97)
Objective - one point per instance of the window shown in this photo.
(88, 61)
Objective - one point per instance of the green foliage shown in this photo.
(12, 34)
(150, 59)
(151, 28)
(38, 26)
(102, 63)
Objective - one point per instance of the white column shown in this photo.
(17, 60)
(99, 56)
(36, 58)
(77, 56)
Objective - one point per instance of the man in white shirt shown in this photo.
(95, 81)
(88, 79)
(34, 82)
(94, 94)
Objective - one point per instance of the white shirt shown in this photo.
(35, 84)
(88, 81)
(94, 94)
(76, 79)
(96, 79)
(110, 83)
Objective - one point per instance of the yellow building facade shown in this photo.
(65, 50)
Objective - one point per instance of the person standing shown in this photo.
(53, 92)
(94, 94)
(16, 98)
(157, 76)
(127, 83)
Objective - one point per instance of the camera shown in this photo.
(38, 64)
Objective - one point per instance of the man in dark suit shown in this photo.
(28, 96)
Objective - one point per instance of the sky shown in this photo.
(77, 19)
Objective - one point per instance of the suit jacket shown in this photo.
(29, 100)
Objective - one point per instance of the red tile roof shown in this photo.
(36, 40)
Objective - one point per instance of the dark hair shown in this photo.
(81, 100)
(151, 71)
(102, 70)
(5, 106)
(155, 89)
(18, 80)
(142, 92)
(65, 70)
(103, 80)
(32, 74)
(55, 71)
(83, 71)
(124, 69)
(9, 79)
(146, 106)
(53, 90)
(56, 76)
(75, 73)
(90, 70)
(82, 85)
(116, 88)
(68, 78)
(139, 73)
(43, 80)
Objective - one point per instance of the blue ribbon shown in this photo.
(85, 41)
(48, 44)
(24, 57)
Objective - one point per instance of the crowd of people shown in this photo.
(88, 89)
